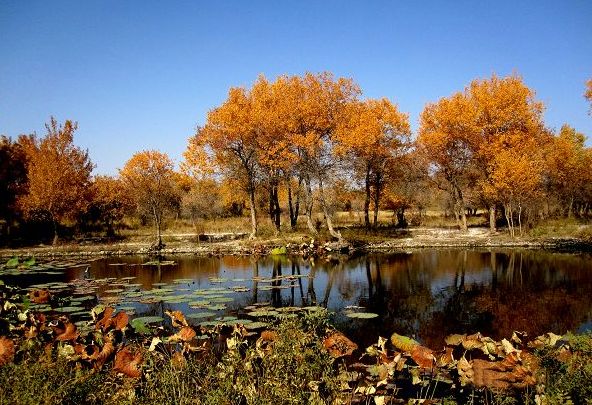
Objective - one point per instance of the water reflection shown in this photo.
(427, 294)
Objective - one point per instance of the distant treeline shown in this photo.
(306, 144)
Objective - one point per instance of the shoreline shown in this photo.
(306, 246)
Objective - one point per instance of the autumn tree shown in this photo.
(228, 144)
(110, 201)
(588, 93)
(315, 104)
(13, 178)
(150, 181)
(374, 135)
(446, 139)
(503, 109)
(515, 176)
(58, 174)
(568, 166)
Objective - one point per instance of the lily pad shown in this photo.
(361, 315)
(200, 315)
(149, 319)
(69, 310)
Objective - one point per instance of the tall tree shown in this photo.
(515, 176)
(58, 174)
(446, 139)
(317, 102)
(150, 180)
(568, 166)
(228, 143)
(504, 108)
(374, 134)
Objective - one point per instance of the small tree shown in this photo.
(58, 174)
(110, 201)
(150, 181)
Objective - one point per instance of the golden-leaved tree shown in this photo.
(504, 109)
(315, 105)
(447, 140)
(58, 174)
(514, 177)
(568, 165)
(374, 135)
(151, 182)
(228, 144)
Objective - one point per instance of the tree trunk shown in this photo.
(332, 231)
(570, 207)
(492, 218)
(367, 200)
(55, 231)
(274, 207)
(376, 197)
(253, 213)
(157, 219)
(293, 209)
(309, 203)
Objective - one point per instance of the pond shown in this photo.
(427, 294)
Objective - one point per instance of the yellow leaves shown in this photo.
(588, 93)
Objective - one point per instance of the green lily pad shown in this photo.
(256, 325)
(219, 307)
(149, 319)
(200, 315)
(69, 310)
(361, 315)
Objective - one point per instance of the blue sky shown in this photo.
(142, 74)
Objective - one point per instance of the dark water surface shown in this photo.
(426, 294)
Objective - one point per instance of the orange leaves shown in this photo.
(338, 345)
(107, 322)
(39, 296)
(65, 331)
(177, 318)
(58, 172)
(128, 362)
(6, 350)
(186, 334)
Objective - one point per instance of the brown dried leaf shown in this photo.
(127, 362)
(186, 334)
(105, 322)
(6, 351)
(120, 320)
(106, 352)
(454, 340)
(338, 345)
(65, 331)
(177, 318)
(445, 358)
(423, 356)
(40, 296)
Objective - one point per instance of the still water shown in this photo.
(427, 294)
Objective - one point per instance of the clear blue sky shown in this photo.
(142, 74)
